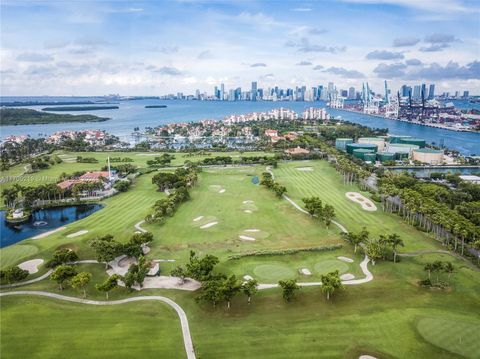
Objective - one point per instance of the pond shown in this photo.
(43, 220)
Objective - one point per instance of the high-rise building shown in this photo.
(330, 88)
(466, 94)
(431, 92)
(457, 94)
(351, 93)
(424, 94)
(216, 93)
(254, 93)
(222, 92)
(416, 91)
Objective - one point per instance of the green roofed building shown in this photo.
(341, 143)
(361, 152)
(385, 156)
(365, 146)
(413, 141)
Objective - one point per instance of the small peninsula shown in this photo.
(79, 108)
(23, 116)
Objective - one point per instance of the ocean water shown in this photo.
(133, 114)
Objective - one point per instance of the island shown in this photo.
(156, 106)
(79, 108)
(23, 116)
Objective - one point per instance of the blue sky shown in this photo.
(158, 47)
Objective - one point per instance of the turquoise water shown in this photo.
(133, 113)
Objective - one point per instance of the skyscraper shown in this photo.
(416, 91)
(222, 92)
(254, 91)
(431, 92)
(351, 93)
(215, 93)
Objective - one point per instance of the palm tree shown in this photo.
(429, 268)
(395, 241)
(448, 268)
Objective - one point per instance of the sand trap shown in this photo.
(248, 202)
(345, 259)
(76, 234)
(45, 234)
(247, 277)
(366, 204)
(304, 169)
(252, 230)
(347, 276)
(246, 238)
(248, 211)
(305, 271)
(208, 225)
(147, 154)
(31, 266)
(366, 357)
(197, 219)
(221, 191)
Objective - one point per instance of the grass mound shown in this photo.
(456, 336)
(328, 266)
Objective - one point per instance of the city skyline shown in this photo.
(96, 48)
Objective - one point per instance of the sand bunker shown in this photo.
(221, 191)
(347, 276)
(305, 271)
(247, 277)
(345, 259)
(208, 225)
(252, 230)
(366, 357)
(76, 234)
(304, 169)
(197, 219)
(216, 188)
(366, 204)
(248, 211)
(246, 238)
(45, 234)
(248, 202)
(31, 266)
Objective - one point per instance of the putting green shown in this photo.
(14, 254)
(456, 336)
(331, 265)
(273, 272)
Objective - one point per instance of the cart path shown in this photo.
(363, 266)
(187, 339)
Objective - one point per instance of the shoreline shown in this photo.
(406, 121)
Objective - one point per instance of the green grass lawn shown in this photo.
(33, 327)
(389, 317)
(324, 182)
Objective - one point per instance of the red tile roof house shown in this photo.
(87, 177)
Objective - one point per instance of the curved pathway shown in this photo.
(138, 228)
(46, 275)
(363, 266)
(187, 339)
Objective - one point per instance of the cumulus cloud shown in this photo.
(40, 71)
(258, 64)
(438, 42)
(342, 72)
(413, 62)
(34, 57)
(304, 45)
(384, 55)
(405, 41)
(452, 70)
(168, 70)
(318, 67)
(390, 71)
(434, 47)
(55, 44)
(303, 63)
(267, 77)
(438, 38)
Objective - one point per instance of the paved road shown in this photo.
(187, 339)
